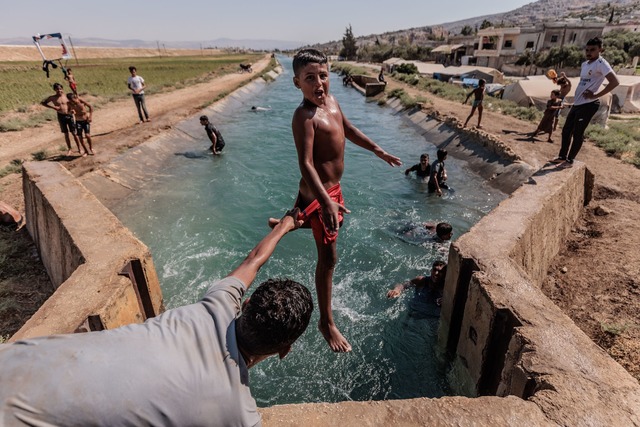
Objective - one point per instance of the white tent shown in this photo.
(626, 97)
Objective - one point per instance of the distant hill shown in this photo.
(267, 45)
(537, 12)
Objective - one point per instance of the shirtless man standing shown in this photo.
(83, 119)
(60, 103)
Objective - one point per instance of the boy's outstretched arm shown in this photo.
(358, 137)
(248, 268)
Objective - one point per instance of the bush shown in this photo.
(406, 68)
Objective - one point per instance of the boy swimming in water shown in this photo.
(319, 131)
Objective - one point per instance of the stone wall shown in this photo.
(104, 276)
(504, 336)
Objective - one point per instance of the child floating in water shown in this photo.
(319, 131)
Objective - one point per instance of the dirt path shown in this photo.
(596, 278)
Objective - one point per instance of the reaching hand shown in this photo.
(330, 216)
(391, 159)
(293, 214)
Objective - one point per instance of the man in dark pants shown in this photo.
(586, 102)
(136, 85)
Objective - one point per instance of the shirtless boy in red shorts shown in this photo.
(319, 132)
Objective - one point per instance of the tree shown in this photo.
(485, 24)
(466, 30)
(349, 49)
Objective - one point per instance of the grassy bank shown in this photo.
(24, 84)
(621, 139)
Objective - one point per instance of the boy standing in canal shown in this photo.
(319, 131)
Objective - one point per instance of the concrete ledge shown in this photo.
(443, 412)
(506, 336)
(104, 276)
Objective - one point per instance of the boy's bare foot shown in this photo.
(91, 153)
(69, 152)
(336, 341)
(84, 154)
(479, 127)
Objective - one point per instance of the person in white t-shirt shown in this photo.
(586, 102)
(136, 85)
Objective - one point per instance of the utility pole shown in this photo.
(159, 52)
(73, 48)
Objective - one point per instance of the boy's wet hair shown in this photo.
(596, 41)
(204, 118)
(308, 56)
(556, 92)
(57, 86)
(132, 68)
(482, 82)
(442, 153)
(424, 156)
(277, 313)
(71, 95)
(443, 228)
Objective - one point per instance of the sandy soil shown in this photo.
(595, 279)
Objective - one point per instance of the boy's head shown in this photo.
(57, 87)
(593, 48)
(204, 120)
(482, 82)
(275, 316)
(424, 158)
(438, 271)
(308, 56)
(133, 70)
(555, 93)
(444, 230)
(442, 154)
(72, 97)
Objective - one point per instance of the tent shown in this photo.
(491, 75)
(626, 97)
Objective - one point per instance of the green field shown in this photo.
(23, 84)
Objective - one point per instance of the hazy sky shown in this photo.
(192, 20)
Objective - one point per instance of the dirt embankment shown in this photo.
(595, 279)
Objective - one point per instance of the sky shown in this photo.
(307, 22)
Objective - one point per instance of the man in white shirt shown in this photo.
(586, 102)
(136, 85)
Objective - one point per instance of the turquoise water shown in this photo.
(204, 215)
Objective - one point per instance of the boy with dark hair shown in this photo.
(554, 105)
(136, 84)
(60, 103)
(478, 94)
(432, 285)
(185, 367)
(438, 177)
(422, 169)
(217, 141)
(83, 120)
(586, 102)
(319, 131)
